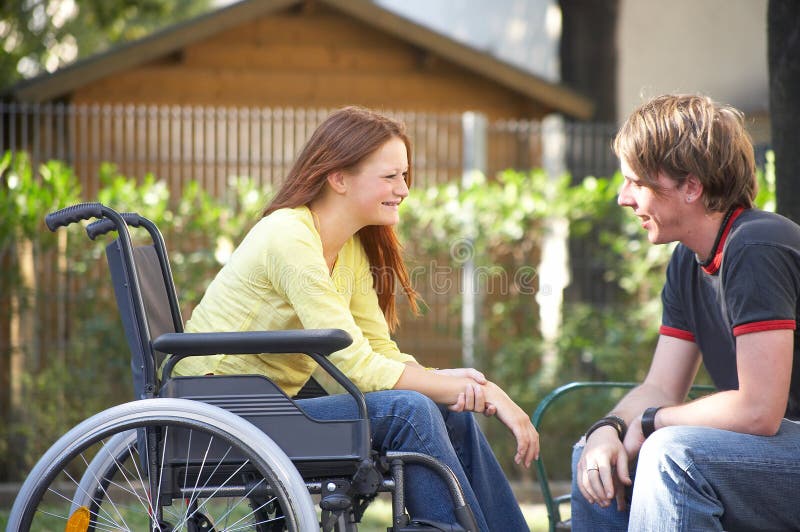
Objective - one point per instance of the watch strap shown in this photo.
(649, 420)
(611, 420)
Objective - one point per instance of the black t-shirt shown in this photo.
(751, 284)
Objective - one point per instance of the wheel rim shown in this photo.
(218, 483)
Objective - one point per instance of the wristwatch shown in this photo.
(649, 420)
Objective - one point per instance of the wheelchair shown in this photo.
(209, 453)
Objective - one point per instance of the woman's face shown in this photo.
(378, 185)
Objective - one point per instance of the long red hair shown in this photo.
(342, 142)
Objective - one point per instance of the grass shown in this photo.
(379, 516)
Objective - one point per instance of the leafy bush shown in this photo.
(495, 225)
(90, 368)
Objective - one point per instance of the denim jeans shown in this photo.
(697, 478)
(409, 421)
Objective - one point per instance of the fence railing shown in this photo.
(208, 145)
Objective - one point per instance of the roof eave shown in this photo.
(553, 95)
(50, 87)
(64, 81)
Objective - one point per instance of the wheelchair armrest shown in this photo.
(321, 341)
(316, 343)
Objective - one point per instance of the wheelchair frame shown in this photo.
(241, 440)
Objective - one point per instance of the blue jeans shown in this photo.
(409, 421)
(697, 478)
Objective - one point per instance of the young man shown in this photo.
(730, 460)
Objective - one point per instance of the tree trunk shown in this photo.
(589, 52)
(6, 287)
(783, 43)
(23, 319)
(589, 65)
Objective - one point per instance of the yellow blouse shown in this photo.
(277, 279)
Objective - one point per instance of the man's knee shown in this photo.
(669, 448)
(577, 451)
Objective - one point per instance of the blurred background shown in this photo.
(191, 111)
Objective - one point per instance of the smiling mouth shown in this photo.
(391, 203)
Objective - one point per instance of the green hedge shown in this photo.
(497, 223)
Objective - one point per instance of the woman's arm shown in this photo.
(446, 388)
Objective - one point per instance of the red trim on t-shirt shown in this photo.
(676, 333)
(760, 326)
(714, 265)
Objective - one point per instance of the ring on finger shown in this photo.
(593, 468)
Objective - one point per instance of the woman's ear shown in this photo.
(337, 182)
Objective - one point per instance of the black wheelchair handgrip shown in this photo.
(322, 341)
(101, 227)
(75, 213)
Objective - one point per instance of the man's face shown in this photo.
(661, 213)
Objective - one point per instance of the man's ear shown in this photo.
(337, 182)
(694, 188)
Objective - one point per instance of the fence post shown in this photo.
(554, 263)
(474, 127)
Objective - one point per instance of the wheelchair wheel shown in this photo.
(164, 464)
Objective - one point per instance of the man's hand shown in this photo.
(602, 471)
(634, 439)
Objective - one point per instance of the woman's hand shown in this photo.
(602, 471)
(472, 399)
(518, 421)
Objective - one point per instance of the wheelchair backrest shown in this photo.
(158, 299)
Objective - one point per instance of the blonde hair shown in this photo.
(683, 135)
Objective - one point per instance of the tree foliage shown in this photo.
(63, 378)
(39, 36)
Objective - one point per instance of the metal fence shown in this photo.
(208, 145)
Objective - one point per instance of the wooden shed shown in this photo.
(310, 54)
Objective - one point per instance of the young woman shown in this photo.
(325, 255)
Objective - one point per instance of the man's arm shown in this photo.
(764, 362)
(672, 371)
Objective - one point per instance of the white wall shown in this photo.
(715, 47)
(524, 33)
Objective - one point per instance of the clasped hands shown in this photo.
(603, 470)
(473, 398)
(482, 396)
